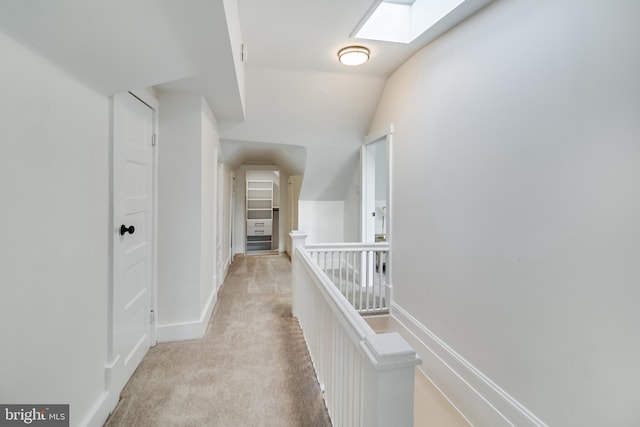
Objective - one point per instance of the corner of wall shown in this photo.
(188, 330)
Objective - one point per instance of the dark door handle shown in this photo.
(124, 229)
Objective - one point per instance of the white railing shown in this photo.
(367, 379)
(359, 271)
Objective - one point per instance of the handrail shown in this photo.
(342, 307)
(349, 246)
(360, 271)
(367, 378)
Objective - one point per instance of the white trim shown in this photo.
(377, 135)
(475, 396)
(347, 247)
(188, 330)
(227, 264)
(220, 271)
(100, 411)
(154, 226)
(367, 189)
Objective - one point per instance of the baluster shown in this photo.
(353, 279)
(333, 268)
(326, 351)
(377, 298)
(340, 271)
(351, 387)
(343, 263)
(386, 291)
(369, 277)
(373, 282)
(346, 275)
(336, 366)
(339, 377)
(362, 279)
(383, 280)
(357, 381)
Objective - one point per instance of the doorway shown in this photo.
(131, 299)
(376, 168)
(262, 211)
(376, 189)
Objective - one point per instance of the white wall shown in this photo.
(179, 208)
(323, 221)
(209, 215)
(187, 176)
(240, 226)
(283, 213)
(235, 41)
(352, 208)
(294, 183)
(224, 216)
(516, 202)
(54, 256)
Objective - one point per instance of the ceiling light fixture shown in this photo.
(353, 55)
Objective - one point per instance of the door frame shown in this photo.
(232, 215)
(367, 184)
(147, 98)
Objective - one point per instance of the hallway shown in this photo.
(251, 368)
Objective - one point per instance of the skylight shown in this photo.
(402, 21)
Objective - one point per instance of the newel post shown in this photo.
(388, 380)
(298, 239)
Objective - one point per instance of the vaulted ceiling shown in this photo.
(290, 97)
(299, 94)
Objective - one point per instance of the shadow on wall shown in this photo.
(290, 159)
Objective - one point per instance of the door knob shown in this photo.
(124, 229)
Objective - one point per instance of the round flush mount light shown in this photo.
(353, 55)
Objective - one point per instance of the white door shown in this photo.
(133, 219)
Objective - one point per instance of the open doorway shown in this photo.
(376, 179)
(262, 211)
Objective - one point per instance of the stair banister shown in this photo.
(367, 378)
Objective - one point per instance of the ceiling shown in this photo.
(118, 45)
(297, 93)
(290, 91)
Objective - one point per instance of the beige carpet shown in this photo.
(252, 367)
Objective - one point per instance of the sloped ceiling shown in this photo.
(299, 94)
(290, 159)
(295, 92)
(118, 45)
(326, 113)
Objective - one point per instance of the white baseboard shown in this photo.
(108, 400)
(188, 330)
(476, 397)
(100, 411)
(227, 264)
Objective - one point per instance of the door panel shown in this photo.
(133, 203)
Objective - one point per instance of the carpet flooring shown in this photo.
(252, 368)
